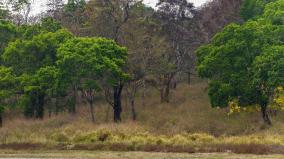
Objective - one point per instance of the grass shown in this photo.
(186, 124)
(128, 155)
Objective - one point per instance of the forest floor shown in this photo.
(126, 155)
(186, 124)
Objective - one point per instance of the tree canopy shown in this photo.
(236, 59)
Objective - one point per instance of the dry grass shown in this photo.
(186, 124)
(127, 155)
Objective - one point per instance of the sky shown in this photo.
(39, 5)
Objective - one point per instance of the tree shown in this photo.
(26, 57)
(36, 87)
(22, 10)
(174, 18)
(268, 73)
(55, 7)
(72, 15)
(232, 64)
(110, 19)
(253, 8)
(4, 12)
(7, 33)
(95, 61)
(8, 83)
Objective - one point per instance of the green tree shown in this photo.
(268, 72)
(7, 33)
(8, 83)
(4, 12)
(36, 87)
(228, 62)
(90, 63)
(26, 58)
(253, 8)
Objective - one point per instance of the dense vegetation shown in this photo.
(245, 62)
(85, 58)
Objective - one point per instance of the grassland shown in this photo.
(186, 124)
(129, 155)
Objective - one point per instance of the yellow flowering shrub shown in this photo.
(276, 104)
(278, 101)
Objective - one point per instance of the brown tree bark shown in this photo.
(265, 114)
(117, 109)
(1, 120)
(40, 106)
(133, 110)
(74, 103)
(92, 111)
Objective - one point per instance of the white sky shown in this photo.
(39, 5)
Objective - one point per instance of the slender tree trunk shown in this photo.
(189, 78)
(265, 114)
(107, 114)
(74, 103)
(143, 93)
(56, 106)
(162, 95)
(40, 106)
(133, 110)
(49, 112)
(117, 109)
(92, 110)
(174, 84)
(167, 93)
(1, 119)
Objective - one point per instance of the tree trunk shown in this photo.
(56, 107)
(167, 93)
(92, 111)
(1, 120)
(117, 109)
(174, 84)
(134, 115)
(162, 95)
(189, 78)
(265, 114)
(40, 106)
(143, 93)
(74, 103)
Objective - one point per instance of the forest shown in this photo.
(120, 75)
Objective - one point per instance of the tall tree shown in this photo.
(236, 59)
(26, 57)
(253, 8)
(96, 61)
(174, 18)
(8, 32)
(108, 18)
(8, 84)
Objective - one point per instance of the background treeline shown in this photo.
(54, 62)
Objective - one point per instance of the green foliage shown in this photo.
(275, 12)
(42, 81)
(27, 56)
(75, 5)
(268, 69)
(8, 83)
(50, 25)
(253, 8)
(7, 33)
(85, 61)
(4, 12)
(245, 62)
(46, 25)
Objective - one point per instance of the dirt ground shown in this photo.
(125, 155)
